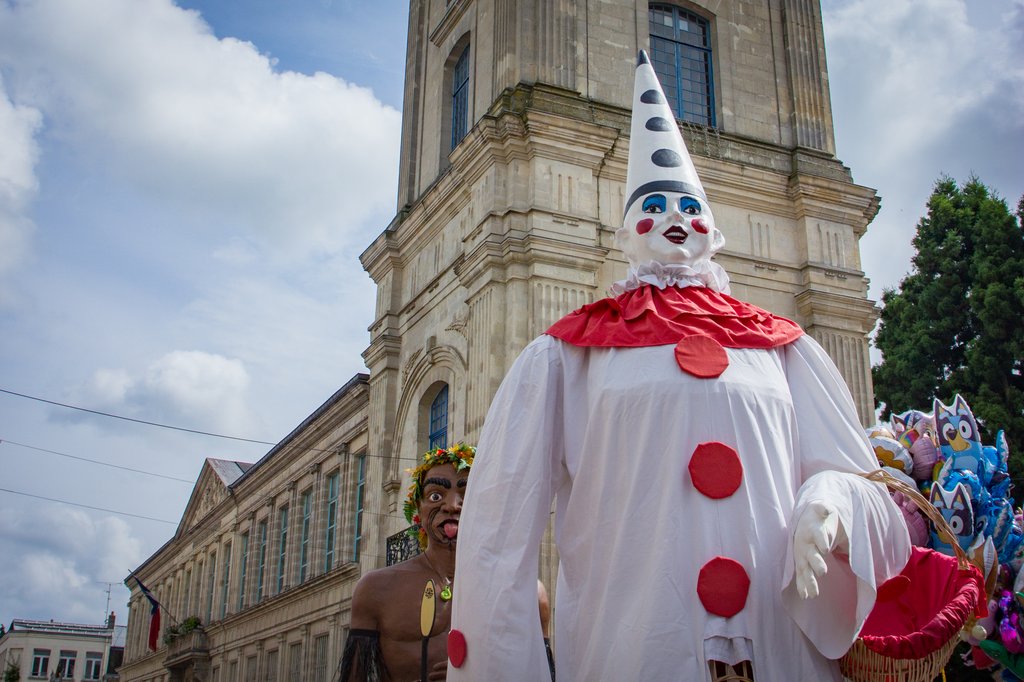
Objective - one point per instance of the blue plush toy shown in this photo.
(958, 435)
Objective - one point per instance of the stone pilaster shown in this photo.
(808, 76)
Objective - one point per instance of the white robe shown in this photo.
(607, 433)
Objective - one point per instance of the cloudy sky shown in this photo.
(184, 192)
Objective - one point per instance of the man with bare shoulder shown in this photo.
(385, 643)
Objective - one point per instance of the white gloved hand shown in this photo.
(817, 534)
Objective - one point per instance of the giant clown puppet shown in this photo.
(703, 458)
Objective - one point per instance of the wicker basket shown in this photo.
(723, 672)
(863, 664)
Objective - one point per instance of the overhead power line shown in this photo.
(132, 419)
(281, 445)
(94, 461)
(86, 506)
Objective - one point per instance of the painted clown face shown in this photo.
(669, 228)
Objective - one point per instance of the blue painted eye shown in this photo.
(689, 206)
(654, 204)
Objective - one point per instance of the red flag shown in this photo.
(154, 615)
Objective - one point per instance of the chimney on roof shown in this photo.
(110, 620)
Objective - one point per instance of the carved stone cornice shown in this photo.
(846, 313)
(508, 256)
(383, 353)
(841, 202)
(381, 256)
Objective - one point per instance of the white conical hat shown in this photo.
(658, 160)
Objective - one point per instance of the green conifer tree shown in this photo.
(955, 324)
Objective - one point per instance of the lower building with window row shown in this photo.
(255, 584)
(50, 650)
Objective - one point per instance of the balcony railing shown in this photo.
(190, 648)
(402, 546)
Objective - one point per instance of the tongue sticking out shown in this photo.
(451, 530)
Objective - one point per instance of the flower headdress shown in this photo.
(460, 455)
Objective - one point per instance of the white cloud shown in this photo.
(19, 154)
(916, 63)
(192, 389)
(198, 213)
(56, 559)
(111, 386)
(204, 124)
(199, 199)
(920, 89)
(198, 384)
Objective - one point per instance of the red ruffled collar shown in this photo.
(649, 316)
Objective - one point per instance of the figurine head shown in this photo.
(667, 218)
(434, 501)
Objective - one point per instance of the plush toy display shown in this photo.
(968, 482)
(916, 432)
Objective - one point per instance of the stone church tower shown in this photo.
(514, 146)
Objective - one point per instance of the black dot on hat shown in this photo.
(652, 97)
(659, 124)
(666, 158)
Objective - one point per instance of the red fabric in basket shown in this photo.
(933, 608)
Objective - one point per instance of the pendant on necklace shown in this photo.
(446, 593)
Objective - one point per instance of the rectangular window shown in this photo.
(250, 669)
(460, 98)
(210, 585)
(295, 661)
(187, 601)
(243, 567)
(282, 549)
(307, 511)
(320, 659)
(93, 665)
(233, 671)
(271, 671)
(225, 581)
(40, 662)
(199, 588)
(332, 520)
(66, 666)
(357, 534)
(262, 564)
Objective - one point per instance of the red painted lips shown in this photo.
(675, 234)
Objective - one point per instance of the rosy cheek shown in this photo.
(644, 226)
(699, 225)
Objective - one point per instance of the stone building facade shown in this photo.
(514, 149)
(51, 650)
(265, 557)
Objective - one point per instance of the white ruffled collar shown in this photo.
(705, 274)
